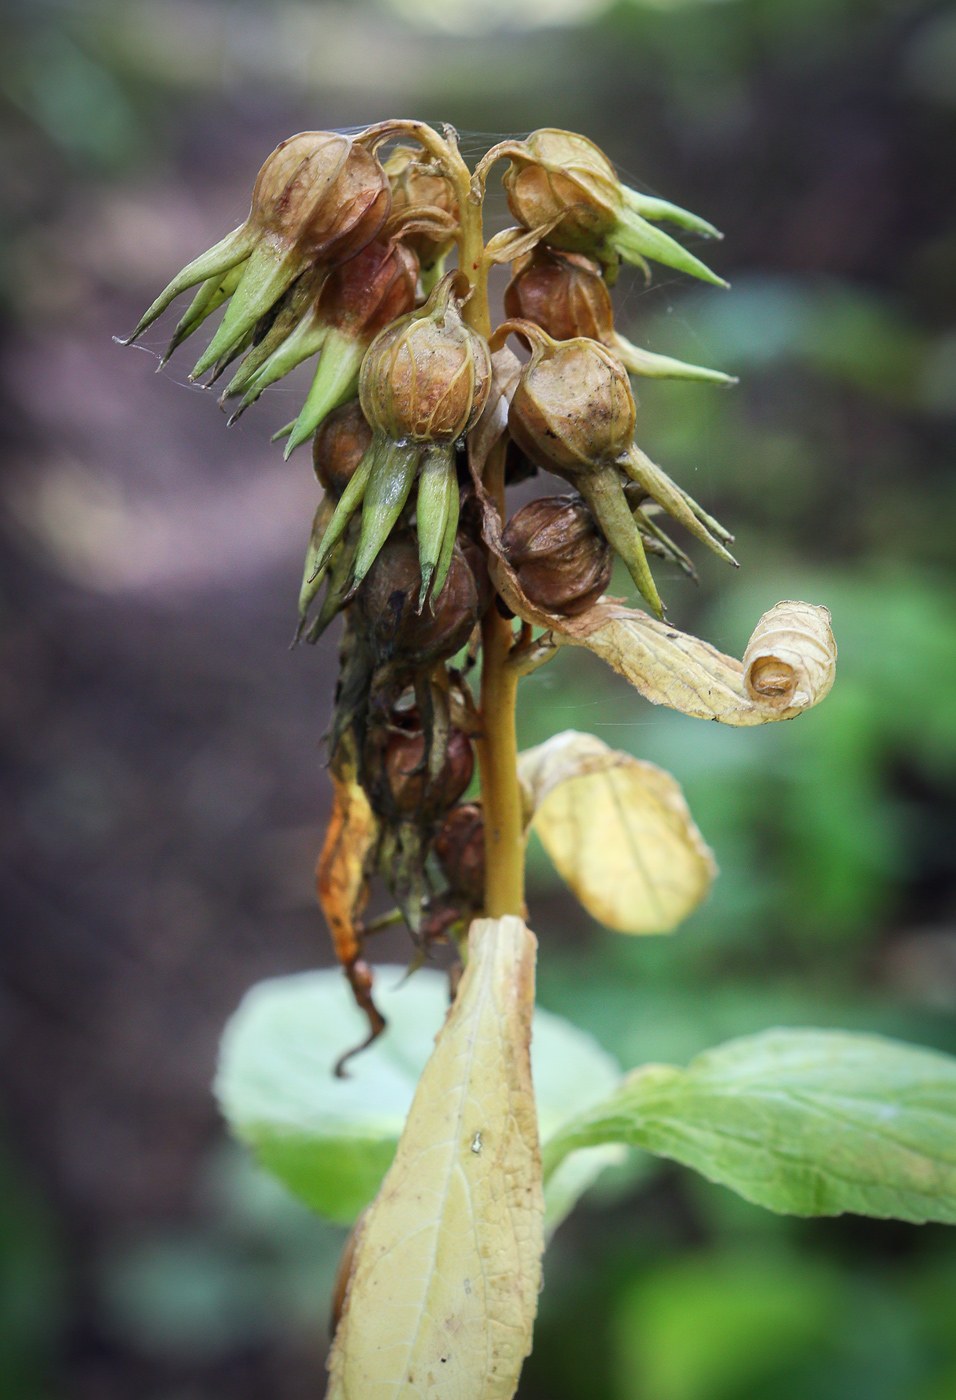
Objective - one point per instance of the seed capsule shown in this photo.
(566, 296)
(562, 560)
(573, 413)
(423, 205)
(413, 791)
(563, 182)
(573, 409)
(389, 602)
(339, 446)
(319, 198)
(427, 377)
(563, 295)
(424, 381)
(460, 849)
(340, 316)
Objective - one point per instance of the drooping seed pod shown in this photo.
(562, 183)
(339, 446)
(573, 412)
(561, 293)
(424, 207)
(566, 296)
(318, 199)
(562, 560)
(349, 307)
(413, 790)
(424, 382)
(388, 600)
(572, 409)
(460, 849)
(426, 378)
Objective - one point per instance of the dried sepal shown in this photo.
(444, 1285)
(618, 831)
(790, 660)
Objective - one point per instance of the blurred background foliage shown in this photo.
(164, 794)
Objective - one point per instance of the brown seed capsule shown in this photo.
(564, 295)
(339, 445)
(369, 292)
(562, 183)
(413, 791)
(421, 191)
(562, 560)
(389, 601)
(335, 200)
(460, 849)
(572, 411)
(427, 377)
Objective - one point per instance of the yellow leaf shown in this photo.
(444, 1285)
(619, 832)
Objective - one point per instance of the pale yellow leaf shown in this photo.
(444, 1285)
(619, 832)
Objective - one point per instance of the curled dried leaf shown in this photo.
(347, 858)
(444, 1284)
(619, 832)
(790, 660)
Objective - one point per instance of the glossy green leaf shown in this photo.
(329, 1140)
(802, 1122)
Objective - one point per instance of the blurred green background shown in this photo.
(164, 794)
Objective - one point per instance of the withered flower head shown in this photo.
(389, 602)
(563, 182)
(563, 294)
(339, 446)
(426, 378)
(460, 849)
(319, 198)
(562, 559)
(424, 207)
(573, 410)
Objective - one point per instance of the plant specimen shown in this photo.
(420, 417)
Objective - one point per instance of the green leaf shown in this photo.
(329, 1140)
(802, 1122)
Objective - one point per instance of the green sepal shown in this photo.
(339, 571)
(635, 240)
(336, 381)
(349, 502)
(211, 295)
(265, 277)
(604, 493)
(388, 490)
(312, 578)
(651, 366)
(677, 503)
(307, 338)
(431, 276)
(657, 542)
(648, 207)
(233, 249)
(436, 504)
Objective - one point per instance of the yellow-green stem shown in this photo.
(498, 745)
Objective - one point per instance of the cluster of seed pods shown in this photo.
(342, 258)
